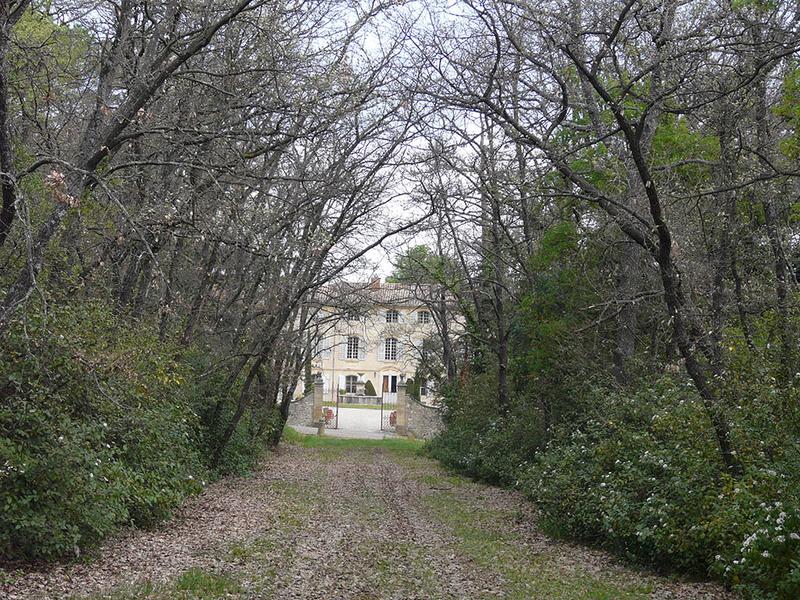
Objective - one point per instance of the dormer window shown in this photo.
(392, 316)
(423, 316)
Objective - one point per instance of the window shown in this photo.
(350, 384)
(423, 316)
(392, 316)
(352, 347)
(423, 386)
(390, 349)
(323, 349)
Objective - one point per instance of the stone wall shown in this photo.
(362, 399)
(301, 411)
(424, 422)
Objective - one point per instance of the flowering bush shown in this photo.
(769, 557)
(640, 474)
(60, 486)
(640, 480)
(647, 482)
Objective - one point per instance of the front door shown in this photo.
(389, 403)
(390, 388)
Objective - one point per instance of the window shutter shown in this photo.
(341, 382)
(343, 349)
(362, 349)
(399, 350)
(381, 349)
(324, 348)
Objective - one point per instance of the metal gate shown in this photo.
(388, 411)
(331, 413)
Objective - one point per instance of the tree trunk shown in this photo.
(241, 406)
(723, 219)
(207, 278)
(166, 302)
(740, 306)
(8, 179)
(628, 313)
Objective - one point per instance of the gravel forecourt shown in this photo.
(335, 518)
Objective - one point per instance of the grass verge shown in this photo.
(194, 584)
(353, 405)
(482, 534)
(399, 444)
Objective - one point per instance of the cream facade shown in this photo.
(381, 343)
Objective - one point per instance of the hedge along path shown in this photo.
(336, 518)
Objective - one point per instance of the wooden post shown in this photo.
(401, 426)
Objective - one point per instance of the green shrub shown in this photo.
(638, 479)
(369, 389)
(61, 486)
(412, 389)
(481, 442)
(768, 560)
(215, 403)
(95, 431)
(639, 473)
(646, 481)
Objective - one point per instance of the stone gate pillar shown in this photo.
(316, 412)
(401, 427)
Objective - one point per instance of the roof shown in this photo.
(346, 293)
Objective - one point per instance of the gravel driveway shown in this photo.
(361, 519)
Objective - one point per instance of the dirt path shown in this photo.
(348, 519)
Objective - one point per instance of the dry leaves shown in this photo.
(325, 523)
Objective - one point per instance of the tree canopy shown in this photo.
(600, 200)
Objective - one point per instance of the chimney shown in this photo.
(375, 284)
